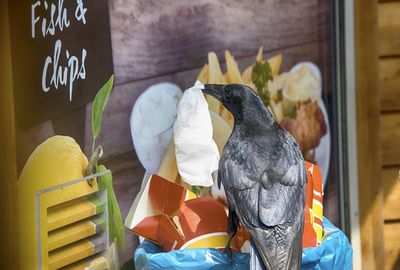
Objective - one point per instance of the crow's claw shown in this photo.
(228, 252)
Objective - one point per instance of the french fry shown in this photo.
(227, 116)
(214, 76)
(259, 57)
(246, 76)
(226, 77)
(214, 70)
(233, 72)
(203, 75)
(221, 131)
(275, 64)
(213, 104)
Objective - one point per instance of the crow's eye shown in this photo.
(228, 94)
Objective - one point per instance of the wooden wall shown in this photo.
(389, 90)
(368, 141)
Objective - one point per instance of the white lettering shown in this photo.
(62, 18)
(63, 75)
(55, 76)
(57, 17)
(34, 18)
(80, 11)
(45, 88)
(54, 17)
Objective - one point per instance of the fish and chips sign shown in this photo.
(61, 56)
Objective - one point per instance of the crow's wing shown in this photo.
(265, 178)
(282, 191)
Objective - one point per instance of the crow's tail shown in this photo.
(256, 263)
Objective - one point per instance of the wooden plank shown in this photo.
(115, 136)
(389, 83)
(391, 193)
(389, 27)
(390, 139)
(155, 37)
(389, 40)
(388, 13)
(368, 144)
(392, 245)
(8, 183)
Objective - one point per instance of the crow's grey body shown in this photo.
(264, 176)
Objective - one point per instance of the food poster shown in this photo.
(148, 52)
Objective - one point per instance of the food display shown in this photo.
(293, 97)
(183, 162)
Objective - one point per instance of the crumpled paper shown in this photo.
(196, 152)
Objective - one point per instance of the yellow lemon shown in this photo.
(56, 161)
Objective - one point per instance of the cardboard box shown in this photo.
(173, 217)
(313, 210)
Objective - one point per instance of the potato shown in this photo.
(203, 75)
(215, 74)
(275, 64)
(227, 116)
(259, 57)
(246, 76)
(233, 72)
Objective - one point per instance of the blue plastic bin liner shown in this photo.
(334, 253)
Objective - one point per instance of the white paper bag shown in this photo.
(196, 152)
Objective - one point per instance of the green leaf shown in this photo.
(115, 224)
(279, 95)
(290, 111)
(261, 74)
(200, 191)
(99, 104)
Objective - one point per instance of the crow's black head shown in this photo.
(242, 101)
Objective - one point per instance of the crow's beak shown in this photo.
(215, 90)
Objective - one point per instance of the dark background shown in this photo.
(32, 104)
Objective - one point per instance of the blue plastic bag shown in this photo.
(334, 252)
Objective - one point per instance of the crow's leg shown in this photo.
(233, 222)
